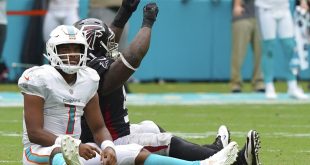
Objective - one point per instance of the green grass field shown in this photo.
(284, 129)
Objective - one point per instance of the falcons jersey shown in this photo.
(63, 103)
(113, 110)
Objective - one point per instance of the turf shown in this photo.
(284, 129)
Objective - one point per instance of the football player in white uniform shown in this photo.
(55, 98)
(275, 18)
(60, 12)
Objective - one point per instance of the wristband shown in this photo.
(126, 63)
(107, 143)
(147, 23)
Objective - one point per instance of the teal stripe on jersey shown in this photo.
(71, 120)
(40, 159)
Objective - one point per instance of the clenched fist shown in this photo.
(150, 12)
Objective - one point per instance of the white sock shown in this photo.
(292, 84)
(269, 86)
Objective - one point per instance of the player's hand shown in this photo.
(130, 5)
(87, 151)
(150, 12)
(108, 156)
(100, 64)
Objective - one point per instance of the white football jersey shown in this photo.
(64, 103)
(270, 4)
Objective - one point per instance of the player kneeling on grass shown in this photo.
(55, 98)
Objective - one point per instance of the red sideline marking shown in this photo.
(27, 12)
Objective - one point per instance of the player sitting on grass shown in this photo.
(113, 74)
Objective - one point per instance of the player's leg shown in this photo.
(224, 157)
(250, 152)
(222, 139)
(169, 145)
(56, 157)
(159, 143)
(50, 22)
(286, 34)
(257, 80)
(145, 126)
(241, 32)
(268, 26)
(36, 154)
(72, 16)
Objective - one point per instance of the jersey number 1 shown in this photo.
(71, 120)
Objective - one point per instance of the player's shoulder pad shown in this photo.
(33, 75)
(92, 73)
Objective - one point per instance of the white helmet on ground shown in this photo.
(62, 35)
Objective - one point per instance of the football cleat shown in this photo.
(222, 137)
(297, 93)
(251, 148)
(70, 150)
(226, 156)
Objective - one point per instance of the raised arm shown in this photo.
(130, 60)
(122, 17)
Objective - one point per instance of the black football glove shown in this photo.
(100, 64)
(125, 12)
(130, 5)
(150, 12)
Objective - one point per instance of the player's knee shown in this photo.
(268, 47)
(164, 138)
(150, 126)
(288, 43)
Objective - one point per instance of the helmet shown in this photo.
(100, 38)
(63, 35)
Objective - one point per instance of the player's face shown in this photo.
(70, 53)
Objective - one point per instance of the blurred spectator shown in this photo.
(60, 12)
(245, 31)
(275, 19)
(3, 28)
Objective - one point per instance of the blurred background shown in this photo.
(191, 40)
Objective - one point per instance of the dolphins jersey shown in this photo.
(64, 103)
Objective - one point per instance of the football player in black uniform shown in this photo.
(116, 67)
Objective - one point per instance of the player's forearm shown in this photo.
(102, 135)
(138, 47)
(41, 137)
(122, 16)
(120, 71)
(117, 31)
